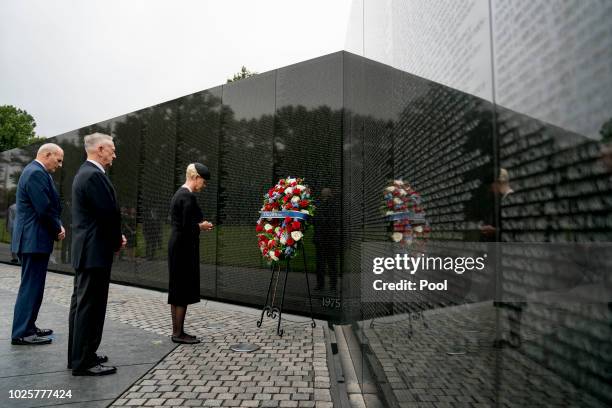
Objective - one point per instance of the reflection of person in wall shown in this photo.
(187, 221)
(326, 239)
(96, 230)
(501, 188)
(510, 311)
(37, 224)
(152, 230)
(128, 227)
(10, 221)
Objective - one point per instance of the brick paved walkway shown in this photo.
(285, 372)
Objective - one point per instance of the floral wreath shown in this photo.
(403, 209)
(284, 216)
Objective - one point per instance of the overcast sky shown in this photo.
(71, 63)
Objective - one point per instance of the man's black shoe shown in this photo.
(32, 340)
(96, 370)
(99, 360)
(43, 332)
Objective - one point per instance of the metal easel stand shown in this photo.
(273, 311)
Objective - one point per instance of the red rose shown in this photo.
(259, 228)
(287, 220)
(277, 253)
(285, 199)
(295, 225)
(304, 203)
(290, 241)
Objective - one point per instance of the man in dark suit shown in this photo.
(37, 224)
(96, 235)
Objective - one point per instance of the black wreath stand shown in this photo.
(271, 309)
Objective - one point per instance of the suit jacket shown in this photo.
(37, 221)
(96, 219)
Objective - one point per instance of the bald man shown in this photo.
(37, 225)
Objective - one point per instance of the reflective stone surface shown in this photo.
(539, 143)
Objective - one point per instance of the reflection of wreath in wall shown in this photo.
(284, 216)
(404, 212)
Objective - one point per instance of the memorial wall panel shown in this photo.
(198, 130)
(245, 173)
(308, 144)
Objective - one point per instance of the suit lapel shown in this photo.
(54, 191)
(109, 185)
(112, 188)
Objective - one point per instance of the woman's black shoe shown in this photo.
(184, 340)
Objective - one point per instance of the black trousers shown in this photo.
(87, 313)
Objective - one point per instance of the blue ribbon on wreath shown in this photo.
(414, 217)
(283, 214)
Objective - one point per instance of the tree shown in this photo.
(16, 128)
(244, 73)
(606, 131)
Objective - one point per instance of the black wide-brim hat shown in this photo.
(202, 170)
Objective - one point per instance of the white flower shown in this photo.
(290, 180)
(304, 211)
(273, 257)
(300, 187)
(296, 235)
(283, 239)
(295, 199)
(390, 213)
(403, 192)
(397, 200)
(397, 236)
(289, 190)
(419, 229)
(390, 189)
(268, 227)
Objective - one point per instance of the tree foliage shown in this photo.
(16, 128)
(244, 73)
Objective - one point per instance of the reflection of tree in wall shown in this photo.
(308, 143)
(244, 159)
(198, 121)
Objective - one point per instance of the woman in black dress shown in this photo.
(184, 250)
